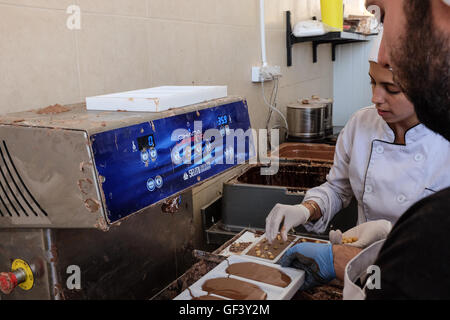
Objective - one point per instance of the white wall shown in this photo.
(351, 82)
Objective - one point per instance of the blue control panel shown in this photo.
(142, 164)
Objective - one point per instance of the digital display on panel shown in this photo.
(222, 120)
(146, 142)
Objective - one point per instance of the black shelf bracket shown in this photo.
(335, 38)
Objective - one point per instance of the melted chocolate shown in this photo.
(268, 251)
(313, 152)
(234, 289)
(260, 273)
(300, 176)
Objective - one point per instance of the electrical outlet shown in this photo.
(268, 73)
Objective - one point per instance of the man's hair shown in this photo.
(421, 66)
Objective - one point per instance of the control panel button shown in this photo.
(153, 154)
(144, 156)
(159, 181)
(151, 185)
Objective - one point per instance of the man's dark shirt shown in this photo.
(415, 259)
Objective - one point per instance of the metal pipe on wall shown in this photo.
(263, 32)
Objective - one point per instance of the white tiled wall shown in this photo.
(132, 44)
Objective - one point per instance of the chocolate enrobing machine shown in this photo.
(104, 194)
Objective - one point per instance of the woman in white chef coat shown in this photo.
(384, 157)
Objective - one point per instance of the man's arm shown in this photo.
(342, 255)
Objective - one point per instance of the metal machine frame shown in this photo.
(55, 215)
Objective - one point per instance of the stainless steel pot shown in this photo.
(328, 112)
(306, 120)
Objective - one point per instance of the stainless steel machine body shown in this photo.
(104, 192)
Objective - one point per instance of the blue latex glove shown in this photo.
(316, 259)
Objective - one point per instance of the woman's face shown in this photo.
(391, 103)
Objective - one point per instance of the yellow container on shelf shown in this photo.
(333, 13)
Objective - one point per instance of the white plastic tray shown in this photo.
(248, 236)
(273, 292)
(185, 295)
(244, 253)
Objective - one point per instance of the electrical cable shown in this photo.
(273, 98)
(272, 101)
(272, 105)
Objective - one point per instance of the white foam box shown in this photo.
(273, 292)
(156, 99)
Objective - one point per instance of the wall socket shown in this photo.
(263, 74)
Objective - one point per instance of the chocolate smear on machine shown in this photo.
(234, 289)
(55, 109)
(260, 273)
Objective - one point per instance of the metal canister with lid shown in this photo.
(328, 112)
(306, 120)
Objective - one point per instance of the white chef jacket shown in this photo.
(385, 178)
(357, 268)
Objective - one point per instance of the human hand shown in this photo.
(365, 234)
(316, 259)
(292, 215)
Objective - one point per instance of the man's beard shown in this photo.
(421, 67)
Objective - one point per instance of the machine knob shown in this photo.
(21, 275)
(10, 280)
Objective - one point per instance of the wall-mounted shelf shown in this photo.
(335, 38)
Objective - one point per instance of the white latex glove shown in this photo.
(293, 216)
(366, 233)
